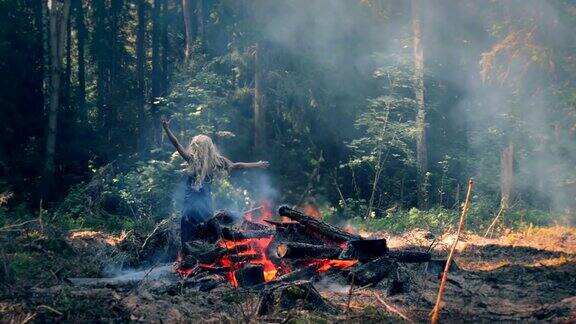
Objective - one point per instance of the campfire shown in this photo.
(257, 251)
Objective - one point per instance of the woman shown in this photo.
(204, 164)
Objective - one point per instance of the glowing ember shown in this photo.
(325, 264)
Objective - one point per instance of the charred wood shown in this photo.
(365, 250)
(318, 226)
(203, 252)
(295, 250)
(243, 257)
(372, 272)
(305, 273)
(236, 235)
(250, 275)
(410, 256)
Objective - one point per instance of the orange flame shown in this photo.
(325, 264)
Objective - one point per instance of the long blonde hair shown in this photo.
(205, 160)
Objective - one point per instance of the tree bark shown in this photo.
(189, 30)
(200, 20)
(66, 90)
(295, 250)
(165, 46)
(99, 48)
(58, 19)
(140, 74)
(259, 104)
(421, 147)
(156, 66)
(81, 40)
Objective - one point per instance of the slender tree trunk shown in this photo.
(57, 31)
(189, 30)
(99, 48)
(200, 20)
(259, 100)
(165, 46)
(156, 66)
(45, 55)
(421, 148)
(140, 74)
(81, 40)
(113, 83)
(66, 90)
(506, 175)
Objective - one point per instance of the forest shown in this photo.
(398, 135)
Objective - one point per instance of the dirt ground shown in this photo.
(528, 276)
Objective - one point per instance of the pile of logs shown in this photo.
(301, 249)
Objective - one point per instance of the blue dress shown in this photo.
(197, 208)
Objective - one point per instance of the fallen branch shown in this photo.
(51, 309)
(493, 224)
(392, 309)
(8, 227)
(436, 310)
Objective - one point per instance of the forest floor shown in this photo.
(522, 276)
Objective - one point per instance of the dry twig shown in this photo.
(392, 309)
(436, 310)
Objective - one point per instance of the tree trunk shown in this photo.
(200, 19)
(99, 48)
(421, 148)
(66, 89)
(81, 40)
(189, 30)
(165, 46)
(259, 104)
(58, 19)
(506, 174)
(140, 74)
(114, 83)
(156, 67)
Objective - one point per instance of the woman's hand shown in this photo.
(263, 164)
(165, 122)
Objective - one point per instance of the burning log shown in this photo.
(251, 226)
(372, 272)
(410, 256)
(318, 226)
(249, 275)
(235, 235)
(203, 252)
(295, 250)
(305, 273)
(238, 249)
(243, 257)
(365, 250)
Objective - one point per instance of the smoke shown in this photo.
(517, 95)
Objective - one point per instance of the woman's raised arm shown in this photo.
(251, 165)
(183, 152)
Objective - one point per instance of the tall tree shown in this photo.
(156, 63)
(165, 45)
(58, 19)
(259, 100)
(140, 73)
(81, 41)
(421, 147)
(188, 29)
(200, 20)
